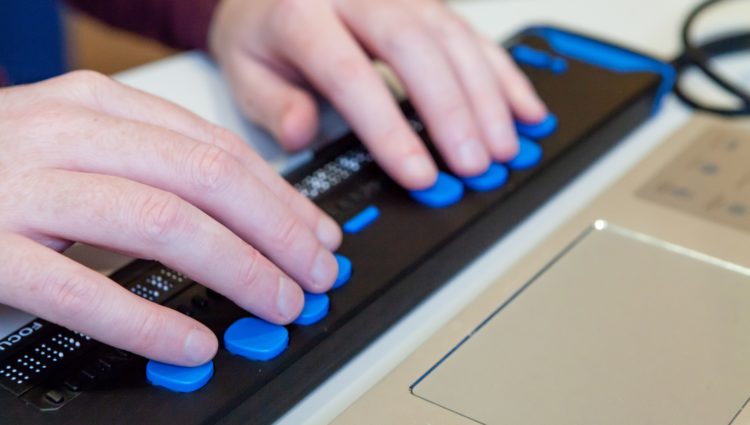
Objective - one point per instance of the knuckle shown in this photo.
(72, 297)
(160, 217)
(226, 139)
(350, 71)
(89, 80)
(452, 110)
(91, 86)
(390, 137)
(147, 328)
(290, 7)
(452, 27)
(288, 234)
(210, 167)
(250, 272)
(402, 37)
(287, 18)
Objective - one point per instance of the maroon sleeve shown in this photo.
(177, 23)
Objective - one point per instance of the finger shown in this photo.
(398, 37)
(470, 65)
(290, 114)
(522, 97)
(285, 110)
(207, 177)
(128, 217)
(111, 97)
(78, 298)
(314, 40)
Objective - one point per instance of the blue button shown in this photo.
(316, 308)
(256, 339)
(539, 130)
(529, 154)
(558, 66)
(494, 178)
(345, 271)
(527, 56)
(365, 218)
(179, 378)
(446, 191)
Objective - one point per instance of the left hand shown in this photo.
(466, 89)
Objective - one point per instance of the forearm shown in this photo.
(177, 23)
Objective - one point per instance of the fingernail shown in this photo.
(420, 169)
(285, 299)
(504, 141)
(324, 270)
(329, 233)
(199, 346)
(472, 156)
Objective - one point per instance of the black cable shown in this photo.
(700, 56)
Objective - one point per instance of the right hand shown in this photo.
(86, 159)
(465, 88)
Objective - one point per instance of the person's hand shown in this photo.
(465, 88)
(83, 158)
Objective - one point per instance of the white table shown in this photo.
(652, 26)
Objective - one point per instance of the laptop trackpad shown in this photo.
(620, 329)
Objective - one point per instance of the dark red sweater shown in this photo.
(178, 23)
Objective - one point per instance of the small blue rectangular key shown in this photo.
(363, 219)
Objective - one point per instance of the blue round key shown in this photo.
(494, 178)
(446, 191)
(179, 378)
(529, 155)
(316, 308)
(345, 271)
(255, 339)
(539, 130)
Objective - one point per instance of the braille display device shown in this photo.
(398, 248)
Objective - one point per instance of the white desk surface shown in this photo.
(652, 26)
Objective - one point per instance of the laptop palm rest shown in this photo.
(620, 329)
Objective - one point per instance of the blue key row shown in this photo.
(251, 338)
(448, 190)
(259, 340)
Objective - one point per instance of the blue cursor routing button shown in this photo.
(365, 218)
(345, 271)
(539, 130)
(446, 191)
(316, 308)
(179, 378)
(530, 56)
(494, 178)
(255, 339)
